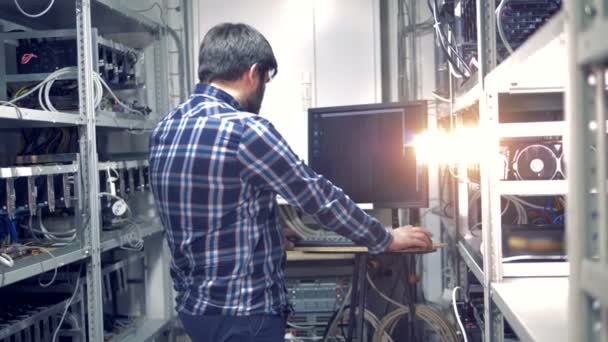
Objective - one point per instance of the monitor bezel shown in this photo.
(423, 200)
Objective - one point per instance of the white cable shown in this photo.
(17, 109)
(450, 49)
(120, 103)
(300, 327)
(382, 295)
(289, 223)
(501, 32)
(452, 71)
(526, 203)
(37, 15)
(55, 236)
(439, 97)
(133, 242)
(464, 333)
(295, 223)
(67, 307)
(385, 327)
(339, 312)
(44, 93)
(6, 260)
(38, 248)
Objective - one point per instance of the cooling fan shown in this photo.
(536, 162)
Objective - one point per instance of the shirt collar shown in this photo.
(208, 90)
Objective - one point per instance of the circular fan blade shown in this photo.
(535, 162)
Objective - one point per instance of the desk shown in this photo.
(298, 255)
(359, 290)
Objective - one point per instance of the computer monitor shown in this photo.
(367, 150)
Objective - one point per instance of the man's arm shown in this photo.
(270, 163)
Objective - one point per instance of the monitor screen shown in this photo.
(367, 150)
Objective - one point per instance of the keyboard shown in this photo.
(324, 240)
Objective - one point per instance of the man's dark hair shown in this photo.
(228, 50)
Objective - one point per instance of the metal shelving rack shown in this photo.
(131, 29)
(587, 219)
(532, 310)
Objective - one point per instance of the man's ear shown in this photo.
(252, 75)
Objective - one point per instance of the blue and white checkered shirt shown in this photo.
(215, 171)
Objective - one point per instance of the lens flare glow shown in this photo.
(463, 145)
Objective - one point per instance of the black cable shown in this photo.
(332, 318)
(26, 141)
(448, 55)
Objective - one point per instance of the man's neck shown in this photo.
(228, 88)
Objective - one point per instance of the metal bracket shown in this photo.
(147, 177)
(11, 197)
(121, 184)
(67, 197)
(50, 191)
(131, 181)
(107, 288)
(32, 194)
(142, 180)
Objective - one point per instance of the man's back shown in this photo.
(223, 231)
(215, 168)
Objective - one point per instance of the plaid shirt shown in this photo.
(215, 171)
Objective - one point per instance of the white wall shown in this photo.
(333, 44)
(347, 42)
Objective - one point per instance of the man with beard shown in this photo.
(216, 167)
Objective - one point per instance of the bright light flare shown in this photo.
(464, 145)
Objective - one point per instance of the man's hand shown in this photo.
(410, 237)
(290, 238)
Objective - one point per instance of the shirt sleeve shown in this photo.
(269, 163)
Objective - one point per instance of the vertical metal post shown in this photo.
(403, 91)
(354, 299)
(413, 15)
(362, 297)
(3, 71)
(491, 216)
(601, 150)
(161, 73)
(189, 45)
(486, 38)
(601, 173)
(577, 152)
(89, 170)
(490, 199)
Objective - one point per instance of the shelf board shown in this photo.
(144, 330)
(469, 252)
(37, 170)
(532, 129)
(468, 98)
(109, 120)
(112, 19)
(533, 187)
(536, 308)
(122, 164)
(37, 77)
(9, 118)
(30, 266)
(536, 269)
(112, 239)
(538, 66)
